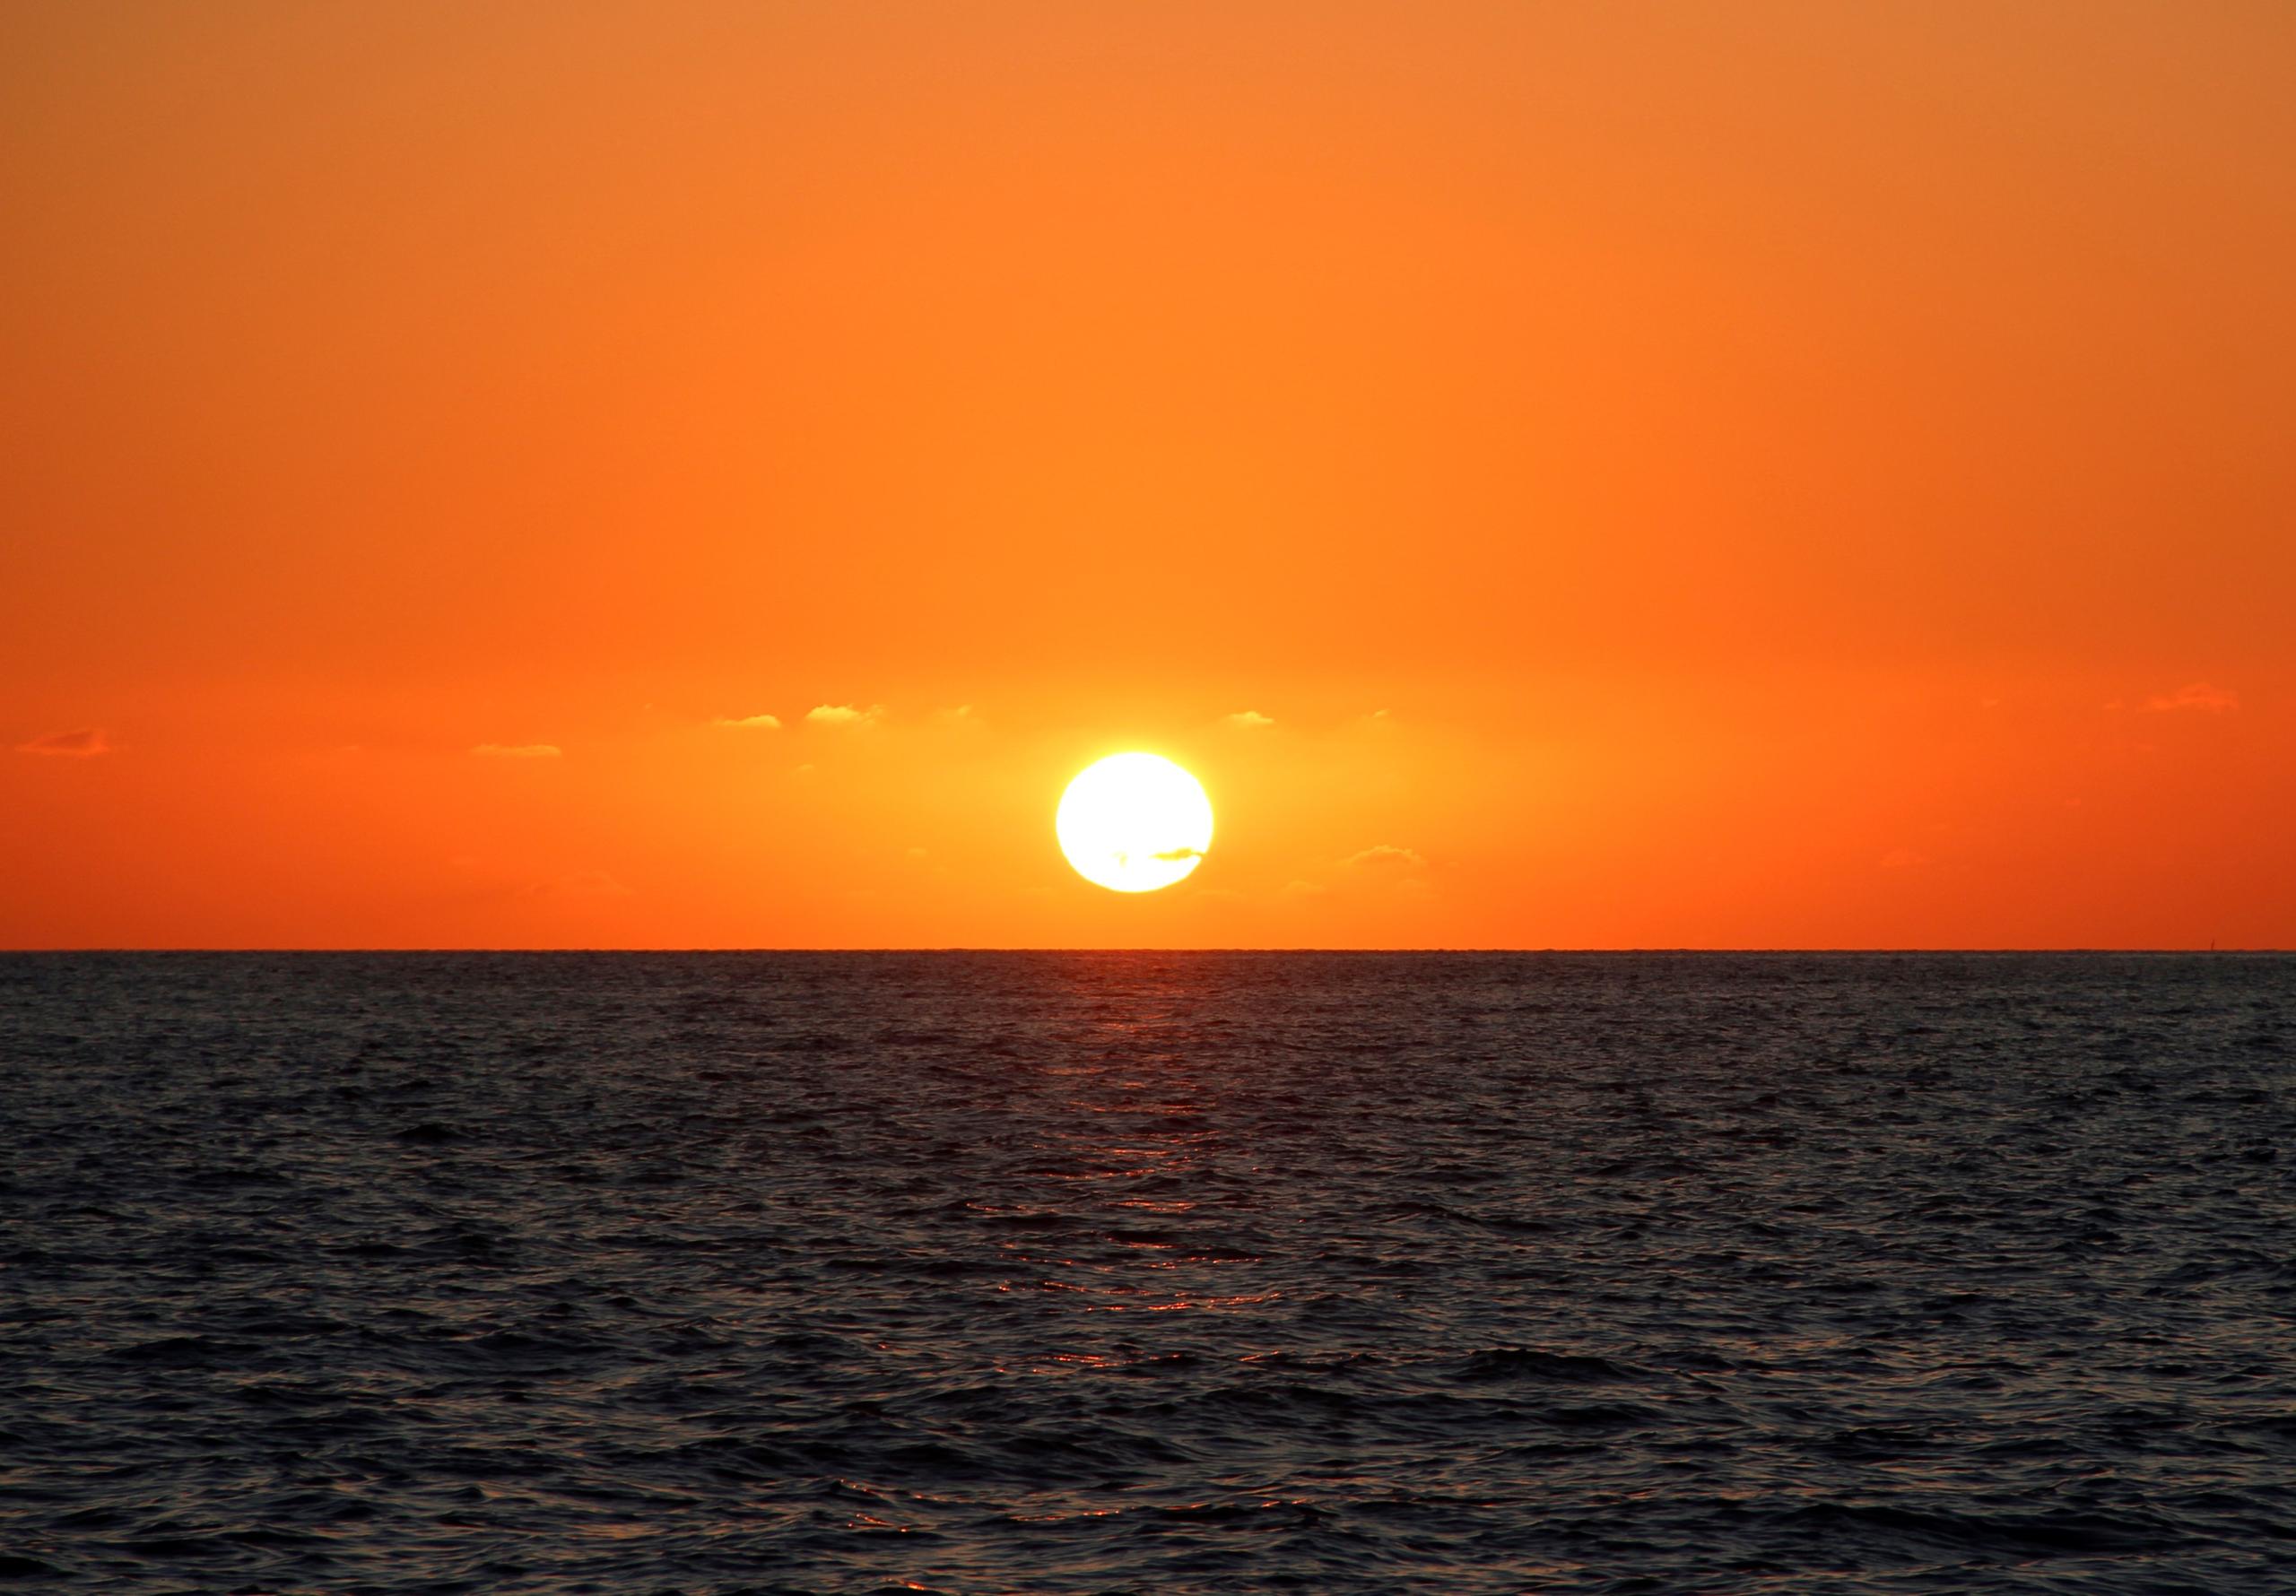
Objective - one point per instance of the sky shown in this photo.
(706, 475)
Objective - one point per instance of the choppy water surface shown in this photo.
(1147, 1272)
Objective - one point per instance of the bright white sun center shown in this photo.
(1134, 822)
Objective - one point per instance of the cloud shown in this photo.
(1385, 855)
(1304, 890)
(750, 723)
(522, 750)
(844, 715)
(2197, 696)
(1174, 856)
(1250, 719)
(580, 884)
(67, 745)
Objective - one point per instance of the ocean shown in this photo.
(1155, 1272)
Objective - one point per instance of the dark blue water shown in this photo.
(999, 1273)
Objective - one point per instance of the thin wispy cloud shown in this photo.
(1250, 719)
(1378, 870)
(516, 750)
(2198, 698)
(844, 715)
(750, 723)
(579, 883)
(67, 745)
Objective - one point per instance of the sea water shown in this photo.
(1147, 1272)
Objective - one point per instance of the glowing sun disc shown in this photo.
(1134, 822)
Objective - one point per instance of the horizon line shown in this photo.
(1716, 951)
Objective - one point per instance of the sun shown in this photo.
(1134, 822)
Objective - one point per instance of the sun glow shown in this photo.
(1134, 822)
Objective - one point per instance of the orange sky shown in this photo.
(1750, 475)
